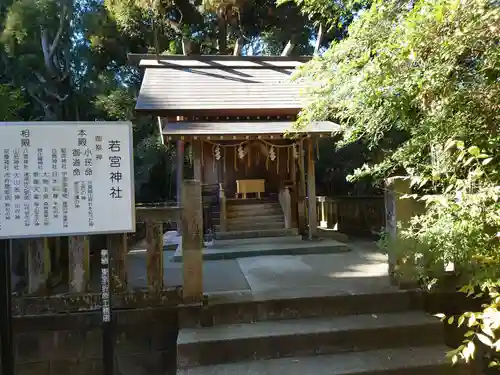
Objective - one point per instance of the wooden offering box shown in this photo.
(245, 187)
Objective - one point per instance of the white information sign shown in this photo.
(66, 178)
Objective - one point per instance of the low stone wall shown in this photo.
(71, 344)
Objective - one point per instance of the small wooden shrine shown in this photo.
(234, 116)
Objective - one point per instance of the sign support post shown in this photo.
(6, 335)
(108, 356)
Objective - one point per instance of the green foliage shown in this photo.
(461, 227)
(409, 77)
(12, 103)
(412, 77)
(483, 327)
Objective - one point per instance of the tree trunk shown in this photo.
(319, 37)
(222, 31)
(238, 46)
(288, 48)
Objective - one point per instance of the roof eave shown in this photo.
(219, 112)
(135, 58)
(249, 136)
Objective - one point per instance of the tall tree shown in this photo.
(331, 18)
(37, 53)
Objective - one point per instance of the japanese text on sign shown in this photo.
(65, 178)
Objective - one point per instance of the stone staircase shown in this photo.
(256, 227)
(351, 334)
(253, 215)
(254, 218)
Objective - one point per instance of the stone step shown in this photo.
(243, 250)
(257, 219)
(251, 200)
(286, 338)
(315, 303)
(290, 239)
(251, 226)
(427, 360)
(255, 234)
(253, 207)
(249, 214)
(256, 212)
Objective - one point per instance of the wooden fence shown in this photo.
(362, 215)
(62, 274)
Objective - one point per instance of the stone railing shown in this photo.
(364, 215)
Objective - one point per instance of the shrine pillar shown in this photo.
(197, 155)
(311, 191)
(301, 200)
(179, 177)
(180, 170)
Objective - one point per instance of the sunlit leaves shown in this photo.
(420, 68)
(483, 329)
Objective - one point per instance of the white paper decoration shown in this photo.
(241, 152)
(272, 153)
(217, 152)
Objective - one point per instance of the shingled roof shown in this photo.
(218, 85)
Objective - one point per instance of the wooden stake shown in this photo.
(154, 256)
(79, 264)
(38, 258)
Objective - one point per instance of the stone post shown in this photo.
(192, 237)
(323, 223)
(398, 210)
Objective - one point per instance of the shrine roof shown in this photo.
(222, 85)
(175, 130)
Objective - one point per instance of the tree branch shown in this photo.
(59, 33)
(40, 77)
(44, 40)
(238, 46)
(155, 37)
(55, 95)
(67, 59)
(288, 48)
(186, 46)
(319, 37)
(45, 106)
